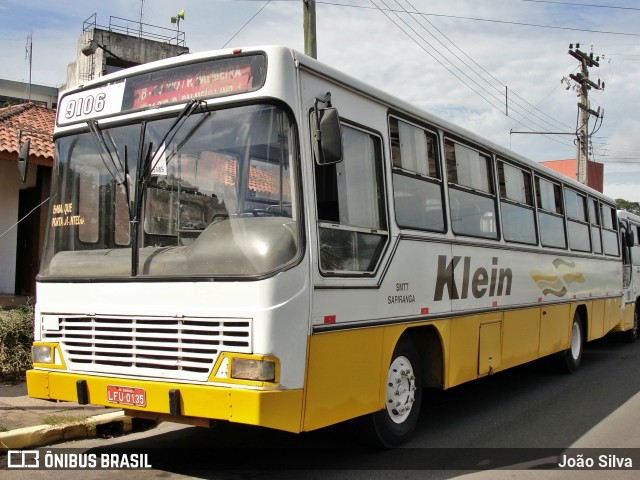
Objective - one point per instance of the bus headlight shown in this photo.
(252, 369)
(42, 354)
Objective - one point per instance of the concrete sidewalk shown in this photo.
(29, 422)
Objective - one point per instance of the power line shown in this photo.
(614, 44)
(488, 20)
(246, 23)
(433, 50)
(431, 54)
(590, 5)
(528, 111)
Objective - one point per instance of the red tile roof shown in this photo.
(36, 122)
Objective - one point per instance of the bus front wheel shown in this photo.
(395, 424)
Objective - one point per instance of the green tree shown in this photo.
(633, 207)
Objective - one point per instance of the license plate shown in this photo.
(127, 395)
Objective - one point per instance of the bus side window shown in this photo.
(417, 182)
(471, 195)
(610, 241)
(577, 225)
(594, 219)
(352, 224)
(550, 214)
(635, 250)
(516, 205)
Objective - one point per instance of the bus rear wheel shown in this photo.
(571, 358)
(395, 424)
(632, 335)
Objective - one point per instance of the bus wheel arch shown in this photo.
(632, 335)
(419, 350)
(429, 344)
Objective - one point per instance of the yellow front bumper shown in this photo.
(279, 409)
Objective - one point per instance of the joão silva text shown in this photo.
(603, 461)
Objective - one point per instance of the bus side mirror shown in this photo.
(630, 238)
(327, 145)
(23, 160)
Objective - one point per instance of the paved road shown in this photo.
(531, 407)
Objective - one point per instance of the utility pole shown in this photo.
(584, 109)
(309, 25)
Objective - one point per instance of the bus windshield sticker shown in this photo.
(159, 162)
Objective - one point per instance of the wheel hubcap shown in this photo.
(401, 389)
(575, 341)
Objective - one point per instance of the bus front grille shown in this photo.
(181, 348)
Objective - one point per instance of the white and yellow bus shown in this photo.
(252, 236)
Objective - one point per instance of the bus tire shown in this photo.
(571, 357)
(395, 424)
(631, 336)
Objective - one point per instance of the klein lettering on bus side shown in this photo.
(494, 282)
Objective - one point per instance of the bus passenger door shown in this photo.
(628, 303)
(635, 262)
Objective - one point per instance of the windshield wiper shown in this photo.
(143, 159)
(147, 165)
(121, 179)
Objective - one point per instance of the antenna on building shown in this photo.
(28, 56)
(141, 14)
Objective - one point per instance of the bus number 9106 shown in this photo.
(85, 105)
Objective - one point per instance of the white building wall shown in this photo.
(10, 187)
(39, 93)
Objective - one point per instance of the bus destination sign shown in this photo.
(194, 83)
(214, 78)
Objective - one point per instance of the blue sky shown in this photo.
(435, 60)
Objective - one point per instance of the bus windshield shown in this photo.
(215, 198)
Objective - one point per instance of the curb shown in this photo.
(39, 435)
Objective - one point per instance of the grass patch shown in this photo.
(16, 337)
(3, 428)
